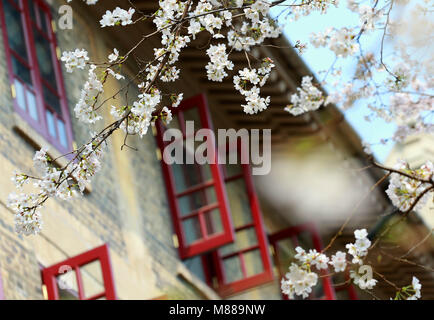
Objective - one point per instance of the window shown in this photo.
(239, 262)
(246, 262)
(34, 70)
(284, 243)
(87, 276)
(196, 193)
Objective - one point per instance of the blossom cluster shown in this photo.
(301, 278)
(74, 59)
(140, 115)
(54, 182)
(308, 98)
(249, 81)
(403, 190)
(340, 41)
(311, 6)
(85, 107)
(117, 17)
(219, 61)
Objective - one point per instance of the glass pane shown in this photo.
(62, 133)
(21, 71)
(44, 20)
(286, 253)
(192, 114)
(253, 262)
(192, 230)
(213, 222)
(196, 267)
(31, 104)
(196, 200)
(189, 175)
(239, 202)
(15, 29)
(174, 124)
(50, 124)
(20, 92)
(243, 239)
(45, 60)
(67, 283)
(52, 100)
(305, 240)
(232, 169)
(32, 10)
(232, 269)
(93, 282)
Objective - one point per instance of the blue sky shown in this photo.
(322, 58)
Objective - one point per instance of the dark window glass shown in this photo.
(52, 100)
(21, 71)
(15, 29)
(45, 59)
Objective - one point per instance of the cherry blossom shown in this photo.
(308, 98)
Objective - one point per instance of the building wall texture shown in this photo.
(126, 206)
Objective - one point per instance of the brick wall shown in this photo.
(126, 207)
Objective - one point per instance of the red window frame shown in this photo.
(292, 233)
(208, 242)
(29, 28)
(246, 282)
(101, 254)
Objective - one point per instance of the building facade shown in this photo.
(145, 229)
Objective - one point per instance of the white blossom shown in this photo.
(308, 98)
(74, 59)
(339, 261)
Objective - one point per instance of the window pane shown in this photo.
(52, 100)
(50, 124)
(45, 61)
(21, 71)
(31, 104)
(232, 269)
(305, 240)
(253, 262)
(239, 202)
(192, 230)
(196, 267)
(62, 133)
(44, 19)
(232, 169)
(93, 282)
(67, 284)
(189, 175)
(243, 239)
(15, 29)
(286, 253)
(32, 10)
(213, 222)
(196, 200)
(20, 92)
(192, 114)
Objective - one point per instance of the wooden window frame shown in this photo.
(291, 233)
(101, 254)
(39, 125)
(247, 282)
(214, 241)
